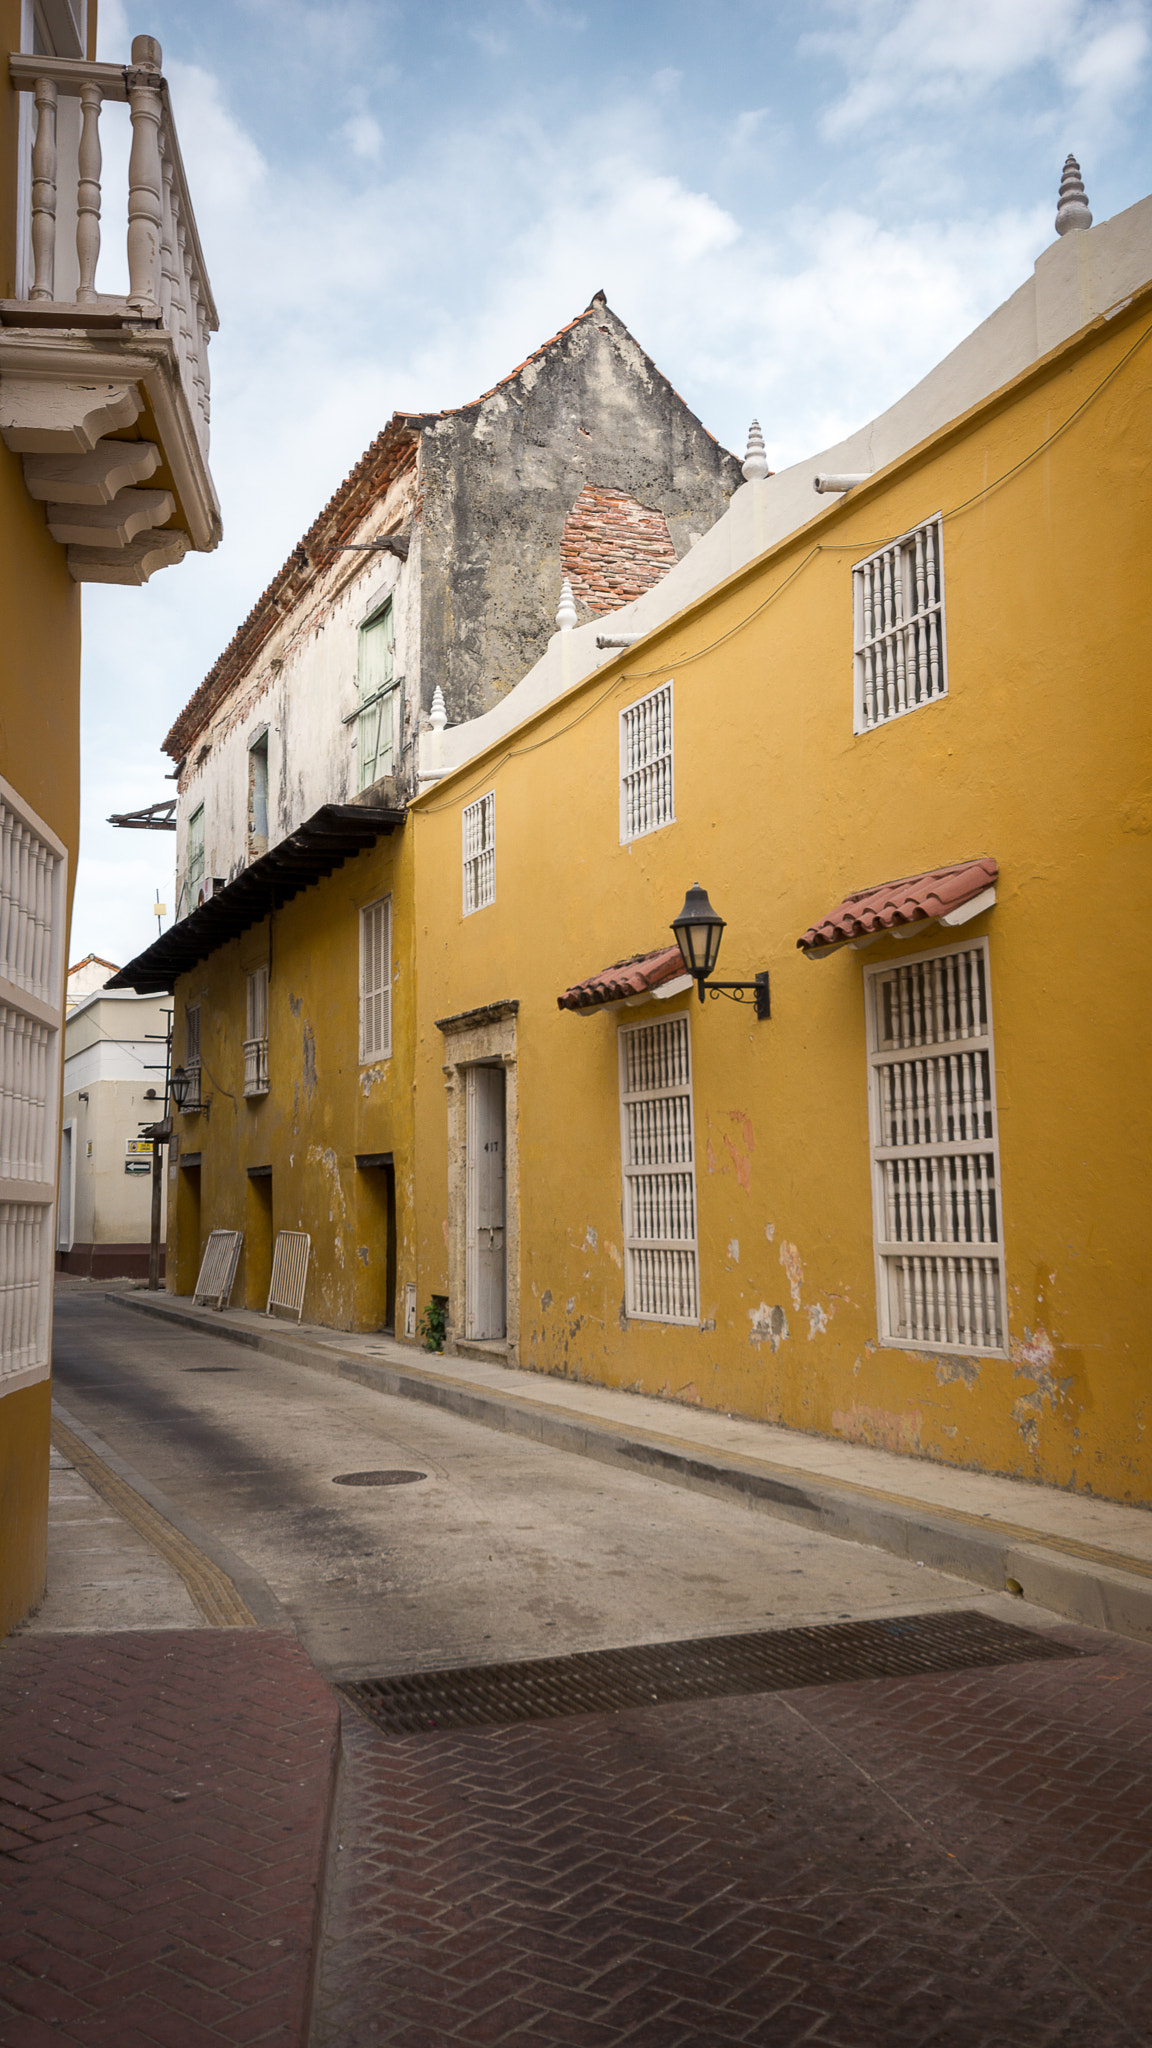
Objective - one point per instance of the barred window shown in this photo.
(646, 791)
(376, 980)
(377, 683)
(660, 1256)
(935, 1153)
(256, 1034)
(480, 853)
(898, 605)
(33, 913)
(192, 1054)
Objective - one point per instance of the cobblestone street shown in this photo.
(963, 1859)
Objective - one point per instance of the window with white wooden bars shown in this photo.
(256, 1034)
(661, 1277)
(377, 688)
(898, 604)
(935, 1153)
(376, 980)
(646, 791)
(192, 1054)
(33, 869)
(479, 845)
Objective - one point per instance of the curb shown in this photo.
(257, 1597)
(1083, 1582)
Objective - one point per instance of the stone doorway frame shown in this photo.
(481, 1038)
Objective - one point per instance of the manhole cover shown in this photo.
(709, 1667)
(377, 1478)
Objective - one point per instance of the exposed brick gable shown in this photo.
(613, 549)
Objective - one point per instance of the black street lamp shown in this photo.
(181, 1086)
(699, 930)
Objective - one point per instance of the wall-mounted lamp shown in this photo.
(183, 1083)
(699, 931)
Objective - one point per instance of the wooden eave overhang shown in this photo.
(333, 835)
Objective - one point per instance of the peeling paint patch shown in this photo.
(1035, 1355)
(546, 1299)
(295, 1004)
(362, 1254)
(879, 1428)
(369, 1079)
(949, 1369)
(444, 1228)
(734, 1251)
(690, 1395)
(590, 1239)
(613, 1253)
(794, 1267)
(770, 1232)
(769, 1325)
(818, 1320)
(570, 1304)
(309, 1059)
(741, 1154)
(1026, 1417)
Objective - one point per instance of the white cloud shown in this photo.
(936, 55)
(365, 137)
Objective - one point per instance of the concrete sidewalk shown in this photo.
(166, 1785)
(1088, 1559)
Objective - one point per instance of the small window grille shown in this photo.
(256, 1034)
(375, 735)
(935, 1153)
(480, 853)
(195, 879)
(646, 792)
(32, 919)
(192, 1054)
(898, 603)
(376, 980)
(661, 1278)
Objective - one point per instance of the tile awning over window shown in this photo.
(630, 981)
(947, 896)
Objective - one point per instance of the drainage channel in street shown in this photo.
(707, 1667)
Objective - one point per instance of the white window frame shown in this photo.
(256, 1080)
(646, 1249)
(647, 765)
(953, 1290)
(379, 705)
(478, 853)
(33, 918)
(196, 856)
(899, 638)
(376, 987)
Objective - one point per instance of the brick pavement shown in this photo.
(163, 1810)
(962, 1859)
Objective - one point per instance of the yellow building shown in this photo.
(103, 478)
(905, 751)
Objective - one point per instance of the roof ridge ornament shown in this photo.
(1073, 210)
(755, 463)
(438, 715)
(566, 609)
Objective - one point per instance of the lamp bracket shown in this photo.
(742, 991)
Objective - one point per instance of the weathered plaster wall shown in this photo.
(323, 1107)
(302, 687)
(499, 479)
(1038, 756)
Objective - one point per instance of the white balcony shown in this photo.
(255, 1066)
(106, 397)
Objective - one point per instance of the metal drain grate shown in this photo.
(378, 1478)
(708, 1667)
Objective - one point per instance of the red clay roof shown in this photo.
(634, 977)
(914, 899)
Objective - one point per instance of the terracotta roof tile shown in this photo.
(634, 977)
(914, 899)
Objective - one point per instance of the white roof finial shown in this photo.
(1073, 210)
(438, 716)
(566, 609)
(755, 464)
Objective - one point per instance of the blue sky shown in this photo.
(797, 209)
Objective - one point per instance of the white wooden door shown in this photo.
(484, 1227)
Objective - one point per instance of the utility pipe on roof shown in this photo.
(846, 480)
